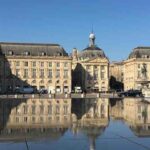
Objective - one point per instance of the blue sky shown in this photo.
(119, 25)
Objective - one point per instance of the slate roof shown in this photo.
(31, 49)
(140, 52)
(92, 52)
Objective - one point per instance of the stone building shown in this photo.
(136, 69)
(90, 68)
(116, 73)
(42, 66)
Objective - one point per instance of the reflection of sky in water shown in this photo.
(117, 133)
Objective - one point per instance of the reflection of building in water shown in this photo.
(90, 109)
(37, 111)
(136, 113)
(35, 115)
(96, 109)
(116, 108)
(39, 65)
(90, 67)
(93, 120)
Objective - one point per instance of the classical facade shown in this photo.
(136, 69)
(42, 66)
(90, 68)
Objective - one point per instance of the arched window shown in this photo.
(57, 81)
(50, 81)
(65, 82)
(59, 54)
(34, 81)
(41, 82)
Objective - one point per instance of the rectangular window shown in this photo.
(33, 73)
(65, 73)
(50, 73)
(57, 109)
(33, 119)
(65, 64)
(17, 63)
(25, 119)
(41, 109)
(57, 73)
(18, 72)
(41, 64)
(33, 109)
(65, 109)
(25, 109)
(50, 64)
(26, 64)
(33, 64)
(102, 75)
(57, 64)
(95, 74)
(102, 68)
(50, 109)
(25, 73)
(41, 73)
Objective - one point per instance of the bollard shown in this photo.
(32, 95)
(15, 95)
(82, 95)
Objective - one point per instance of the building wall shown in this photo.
(116, 70)
(94, 74)
(133, 76)
(41, 72)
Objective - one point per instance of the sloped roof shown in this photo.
(32, 49)
(140, 52)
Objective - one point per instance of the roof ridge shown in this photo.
(21, 43)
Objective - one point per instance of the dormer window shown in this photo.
(26, 53)
(10, 52)
(59, 54)
(43, 53)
